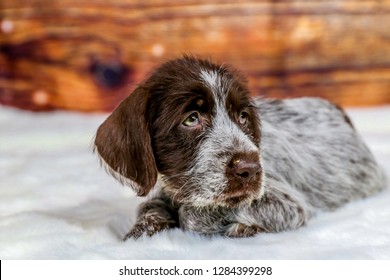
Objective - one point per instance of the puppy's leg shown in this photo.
(215, 220)
(279, 209)
(207, 220)
(242, 230)
(154, 216)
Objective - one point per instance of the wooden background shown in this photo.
(88, 55)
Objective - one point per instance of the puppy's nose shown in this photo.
(246, 167)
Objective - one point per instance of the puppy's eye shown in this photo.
(243, 119)
(192, 120)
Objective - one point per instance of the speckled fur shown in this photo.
(311, 156)
(313, 160)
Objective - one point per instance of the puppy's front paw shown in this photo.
(239, 230)
(148, 225)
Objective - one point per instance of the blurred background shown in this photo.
(73, 61)
(89, 55)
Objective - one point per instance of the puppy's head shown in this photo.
(192, 122)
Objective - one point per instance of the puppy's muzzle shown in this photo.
(244, 178)
(245, 168)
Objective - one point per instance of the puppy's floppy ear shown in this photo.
(124, 144)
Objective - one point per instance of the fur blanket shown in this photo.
(57, 203)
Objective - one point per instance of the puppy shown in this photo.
(222, 163)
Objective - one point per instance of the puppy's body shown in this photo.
(230, 165)
(313, 160)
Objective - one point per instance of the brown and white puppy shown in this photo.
(226, 164)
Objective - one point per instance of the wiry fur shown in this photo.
(244, 167)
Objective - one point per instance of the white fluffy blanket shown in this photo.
(57, 203)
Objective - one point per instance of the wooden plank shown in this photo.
(89, 55)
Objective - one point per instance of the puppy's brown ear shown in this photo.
(124, 144)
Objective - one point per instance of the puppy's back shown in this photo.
(311, 144)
